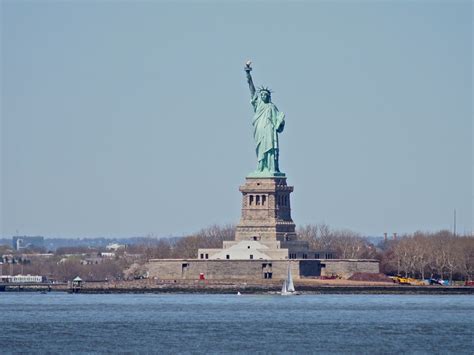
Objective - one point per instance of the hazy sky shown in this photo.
(133, 118)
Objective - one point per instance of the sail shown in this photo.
(283, 288)
(289, 281)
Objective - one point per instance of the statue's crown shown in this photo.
(265, 88)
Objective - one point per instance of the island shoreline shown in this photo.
(260, 290)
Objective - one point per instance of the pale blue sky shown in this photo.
(133, 118)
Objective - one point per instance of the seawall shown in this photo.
(231, 287)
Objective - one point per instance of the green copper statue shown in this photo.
(267, 123)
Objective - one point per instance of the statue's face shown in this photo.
(265, 96)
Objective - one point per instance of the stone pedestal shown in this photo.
(266, 210)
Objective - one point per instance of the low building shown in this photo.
(23, 278)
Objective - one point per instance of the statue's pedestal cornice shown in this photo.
(265, 174)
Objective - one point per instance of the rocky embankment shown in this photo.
(266, 287)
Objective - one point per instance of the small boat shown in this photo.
(288, 288)
(238, 293)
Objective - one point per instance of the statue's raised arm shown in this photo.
(248, 69)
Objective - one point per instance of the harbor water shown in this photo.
(186, 323)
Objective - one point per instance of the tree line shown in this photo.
(425, 254)
(420, 255)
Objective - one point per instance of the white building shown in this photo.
(115, 246)
(245, 250)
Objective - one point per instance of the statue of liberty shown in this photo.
(267, 123)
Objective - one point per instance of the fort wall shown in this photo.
(345, 268)
(255, 270)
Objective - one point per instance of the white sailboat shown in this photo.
(288, 289)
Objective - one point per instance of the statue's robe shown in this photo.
(267, 123)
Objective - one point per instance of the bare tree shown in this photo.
(210, 237)
(465, 260)
(422, 250)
